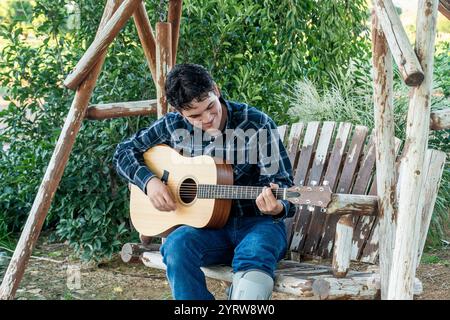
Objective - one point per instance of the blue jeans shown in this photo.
(257, 242)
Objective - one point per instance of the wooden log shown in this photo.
(132, 252)
(398, 41)
(440, 120)
(146, 37)
(316, 283)
(121, 109)
(342, 246)
(101, 43)
(54, 172)
(412, 162)
(434, 162)
(385, 149)
(444, 8)
(174, 17)
(163, 64)
(355, 204)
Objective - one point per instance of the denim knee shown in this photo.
(177, 246)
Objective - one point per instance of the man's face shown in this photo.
(206, 114)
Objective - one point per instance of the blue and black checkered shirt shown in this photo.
(129, 162)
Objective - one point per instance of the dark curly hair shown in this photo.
(186, 82)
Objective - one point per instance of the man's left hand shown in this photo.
(267, 203)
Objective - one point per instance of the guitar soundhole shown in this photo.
(188, 190)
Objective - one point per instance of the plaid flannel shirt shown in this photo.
(129, 162)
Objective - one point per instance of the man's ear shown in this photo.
(217, 90)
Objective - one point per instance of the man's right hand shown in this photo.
(160, 195)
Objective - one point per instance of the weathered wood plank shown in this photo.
(411, 166)
(315, 178)
(434, 164)
(53, 173)
(282, 130)
(101, 43)
(344, 186)
(121, 109)
(293, 142)
(330, 178)
(292, 147)
(306, 153)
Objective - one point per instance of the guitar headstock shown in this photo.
(319, 196)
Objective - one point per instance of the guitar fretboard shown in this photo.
(210, 191)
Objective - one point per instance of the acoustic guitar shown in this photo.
(203, 190)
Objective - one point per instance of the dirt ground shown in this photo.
(48, 277)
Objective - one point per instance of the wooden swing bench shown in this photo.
(343, 156)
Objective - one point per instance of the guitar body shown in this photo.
(182, 175)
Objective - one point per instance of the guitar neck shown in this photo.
(211, 191)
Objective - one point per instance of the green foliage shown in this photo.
(254, 49)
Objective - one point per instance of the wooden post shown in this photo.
(53, 174)
(174, 18)
(385, 149)
(401, 49)
(163, 63)
(145, 32)
(411, 165)
(342, 246)
(101, 43)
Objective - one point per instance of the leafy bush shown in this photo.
(253, 49)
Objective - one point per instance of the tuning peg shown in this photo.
(325, 182)
(313, 183)
(323, 210)
(310, 208)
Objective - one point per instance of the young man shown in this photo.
(254, 238)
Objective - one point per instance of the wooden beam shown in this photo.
(174, 18)
(145, 32)
(163, 63)
(101, 43)
(412, 163)
(121, 109)
(385, 149)
(54, 172)
(398, 41)
(440, 120)
(444, 8)
(355, 204)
